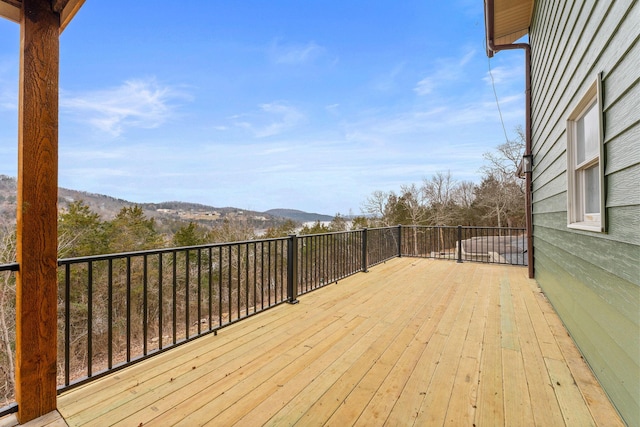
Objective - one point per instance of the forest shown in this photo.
(440, 200)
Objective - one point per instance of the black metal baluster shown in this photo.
(255, 277)
(175, 297)
(210, 287)
(89, 319)
(186, 293)
(67, 321)
(276, 258)
(269, 271)
(239, 280)
(229, 286)
(110, 313)
(305, 268)
(128, 309)
(282, 269)
(318, 263)
(199, 291)
(246, 282)
(325, 257)
(262, 275)
(160, 302)
(144, 304)
(219, 285)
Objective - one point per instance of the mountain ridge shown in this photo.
(298, 215)
(108, 207)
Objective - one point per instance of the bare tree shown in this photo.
(464, 194)
(501, 193)
(7, 313)
(504, 161)
(440, 192)
(376, 207)
(413, 199)
(231, 230)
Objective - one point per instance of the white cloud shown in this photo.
(446, 70)
(425, 86)
(294, 54)
(467, 58)
(388, 81)
(136, 103)
(275, 118)
(8, 86)
(8, 100)
(505, 74)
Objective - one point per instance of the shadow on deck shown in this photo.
(412, 342)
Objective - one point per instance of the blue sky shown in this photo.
(307, 105)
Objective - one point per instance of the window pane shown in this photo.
(592, 189)
(588, 135)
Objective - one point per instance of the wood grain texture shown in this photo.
(36, 284)
(10, 9)
(51, 419)
(412, 342)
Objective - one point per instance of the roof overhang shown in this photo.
(10, 9)
(511, 20)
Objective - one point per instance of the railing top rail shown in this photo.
(13, 266)
(432, 226)
(330, 233)
(471, 227)
(391, 227)
(464, 227)
(105, 257)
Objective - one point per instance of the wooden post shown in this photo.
(36, 286)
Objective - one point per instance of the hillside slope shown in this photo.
(299, 216)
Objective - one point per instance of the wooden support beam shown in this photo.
(10, 11)
(67, 10)
(36, 287)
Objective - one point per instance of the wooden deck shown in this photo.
(412, 342)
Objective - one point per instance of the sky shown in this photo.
(309, 105)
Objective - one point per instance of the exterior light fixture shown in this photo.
(527, 163)
(525, 166)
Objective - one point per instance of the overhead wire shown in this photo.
(495, 94)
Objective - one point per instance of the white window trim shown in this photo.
(575, 198)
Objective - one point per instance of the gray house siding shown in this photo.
(592, 279)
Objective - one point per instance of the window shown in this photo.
(585, 169)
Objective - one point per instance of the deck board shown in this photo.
(547, 411)
(412, 342)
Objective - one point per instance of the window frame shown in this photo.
(577, 217)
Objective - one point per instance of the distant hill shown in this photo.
(165, 212)
(299, 216)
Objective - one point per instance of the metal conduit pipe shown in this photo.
(491, 49)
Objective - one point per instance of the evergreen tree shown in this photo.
(316, 228)
(360, 222)
(80, 232)
(131, 230)
(285, 229)
(189, 235)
